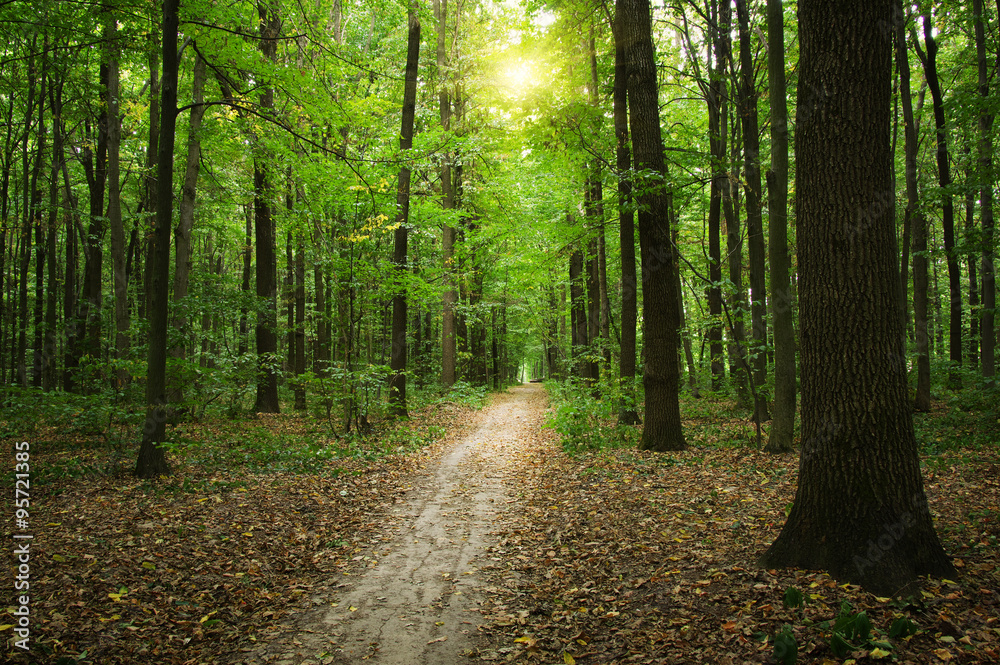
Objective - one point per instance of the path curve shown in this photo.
(418, 600)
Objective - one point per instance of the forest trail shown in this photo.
(417, 601)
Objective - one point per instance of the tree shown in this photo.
(627, 414)
(265, 332)
(662, 430)
(860, 511)
(782, 316)
(914, 216)
(397, 385)
(929, 60)
(755, 229)
(152, 460)
(988, 326)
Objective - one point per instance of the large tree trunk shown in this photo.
(659, 295)
(152, 460)
(755, 227)
(627, 414)
(397, 384)
(860, 512)
(783, 417)
(947, 207)
(266, 330)
(987, 325)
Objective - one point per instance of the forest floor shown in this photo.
(484, 543)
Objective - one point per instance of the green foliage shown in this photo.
(585, 421)
(786, 649)
(847, 632)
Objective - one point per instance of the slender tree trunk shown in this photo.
(755, 228)
(118, 258)
(782, 424)
(987, 325)
(627, 414)
(185, 224)
(917, 221)
(662, 430)
(947, 207)
(152, 459)
(397, 384)
(717, 132)
(860, 511)
(578, 315)
(92, 300)
(50, 348)
(449, 326)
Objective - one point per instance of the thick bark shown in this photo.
(860, 511)
(987, 325)
(265, 332)
(783, 416)
(947, 206)
(755, 228)
(627, 414)
(662, 430)
(152, 459)
(397, 384)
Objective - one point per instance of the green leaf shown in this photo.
(902, 627)
(793, 598)
(839, 646)
(786, 650)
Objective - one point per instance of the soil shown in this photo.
(415, 596)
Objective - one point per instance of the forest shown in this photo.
(704, 290)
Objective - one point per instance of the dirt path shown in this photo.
(417, 601)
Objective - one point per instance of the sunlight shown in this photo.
(520, 75)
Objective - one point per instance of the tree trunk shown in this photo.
(717, 132)
(266, 330)
(449, 325)
(152, 459)
(947, 208)
(578, 315)
(860, 512)
(93, 248)
(185, 224)
(659, 295)
(397, 384)
(115, 225)
(627, 414)
(917, 221)
(783, 417)
(755, 228)
(987, 324)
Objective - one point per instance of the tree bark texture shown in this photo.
(661, 377)
(266, 330)
(152, 459)
(782, 316)
(860, 511)
(627, 414)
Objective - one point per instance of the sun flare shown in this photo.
(519, 76)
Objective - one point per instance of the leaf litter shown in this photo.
(614, 556)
